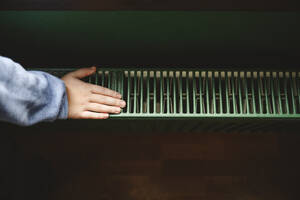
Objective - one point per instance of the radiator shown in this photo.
(198, 93)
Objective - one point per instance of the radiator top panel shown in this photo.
(146, 38)
(198, 93)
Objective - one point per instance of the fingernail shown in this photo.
(123, 104)
(118, 110)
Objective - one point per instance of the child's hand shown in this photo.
(88, 101)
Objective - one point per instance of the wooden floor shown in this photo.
(169, 167)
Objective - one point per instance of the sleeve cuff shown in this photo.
(63, 114)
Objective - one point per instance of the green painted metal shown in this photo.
(84, 38)
(200, 93)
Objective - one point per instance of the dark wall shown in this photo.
(261, 5)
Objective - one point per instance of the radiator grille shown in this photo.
(201, 93)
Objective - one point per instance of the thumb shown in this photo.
(83, 72)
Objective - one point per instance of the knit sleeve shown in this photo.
(29, 97)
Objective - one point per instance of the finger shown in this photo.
(83, 72)
(107, 100)
(95, 107)
(105, 91)
(93, 115)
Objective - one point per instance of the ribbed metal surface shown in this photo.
(201, 93)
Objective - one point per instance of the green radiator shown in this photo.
(201, 93)
(260, 94)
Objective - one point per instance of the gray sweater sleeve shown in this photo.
(29, 97)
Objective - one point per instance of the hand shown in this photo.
(88, 101)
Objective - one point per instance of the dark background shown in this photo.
(254, 5)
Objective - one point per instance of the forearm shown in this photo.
(28, 97)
